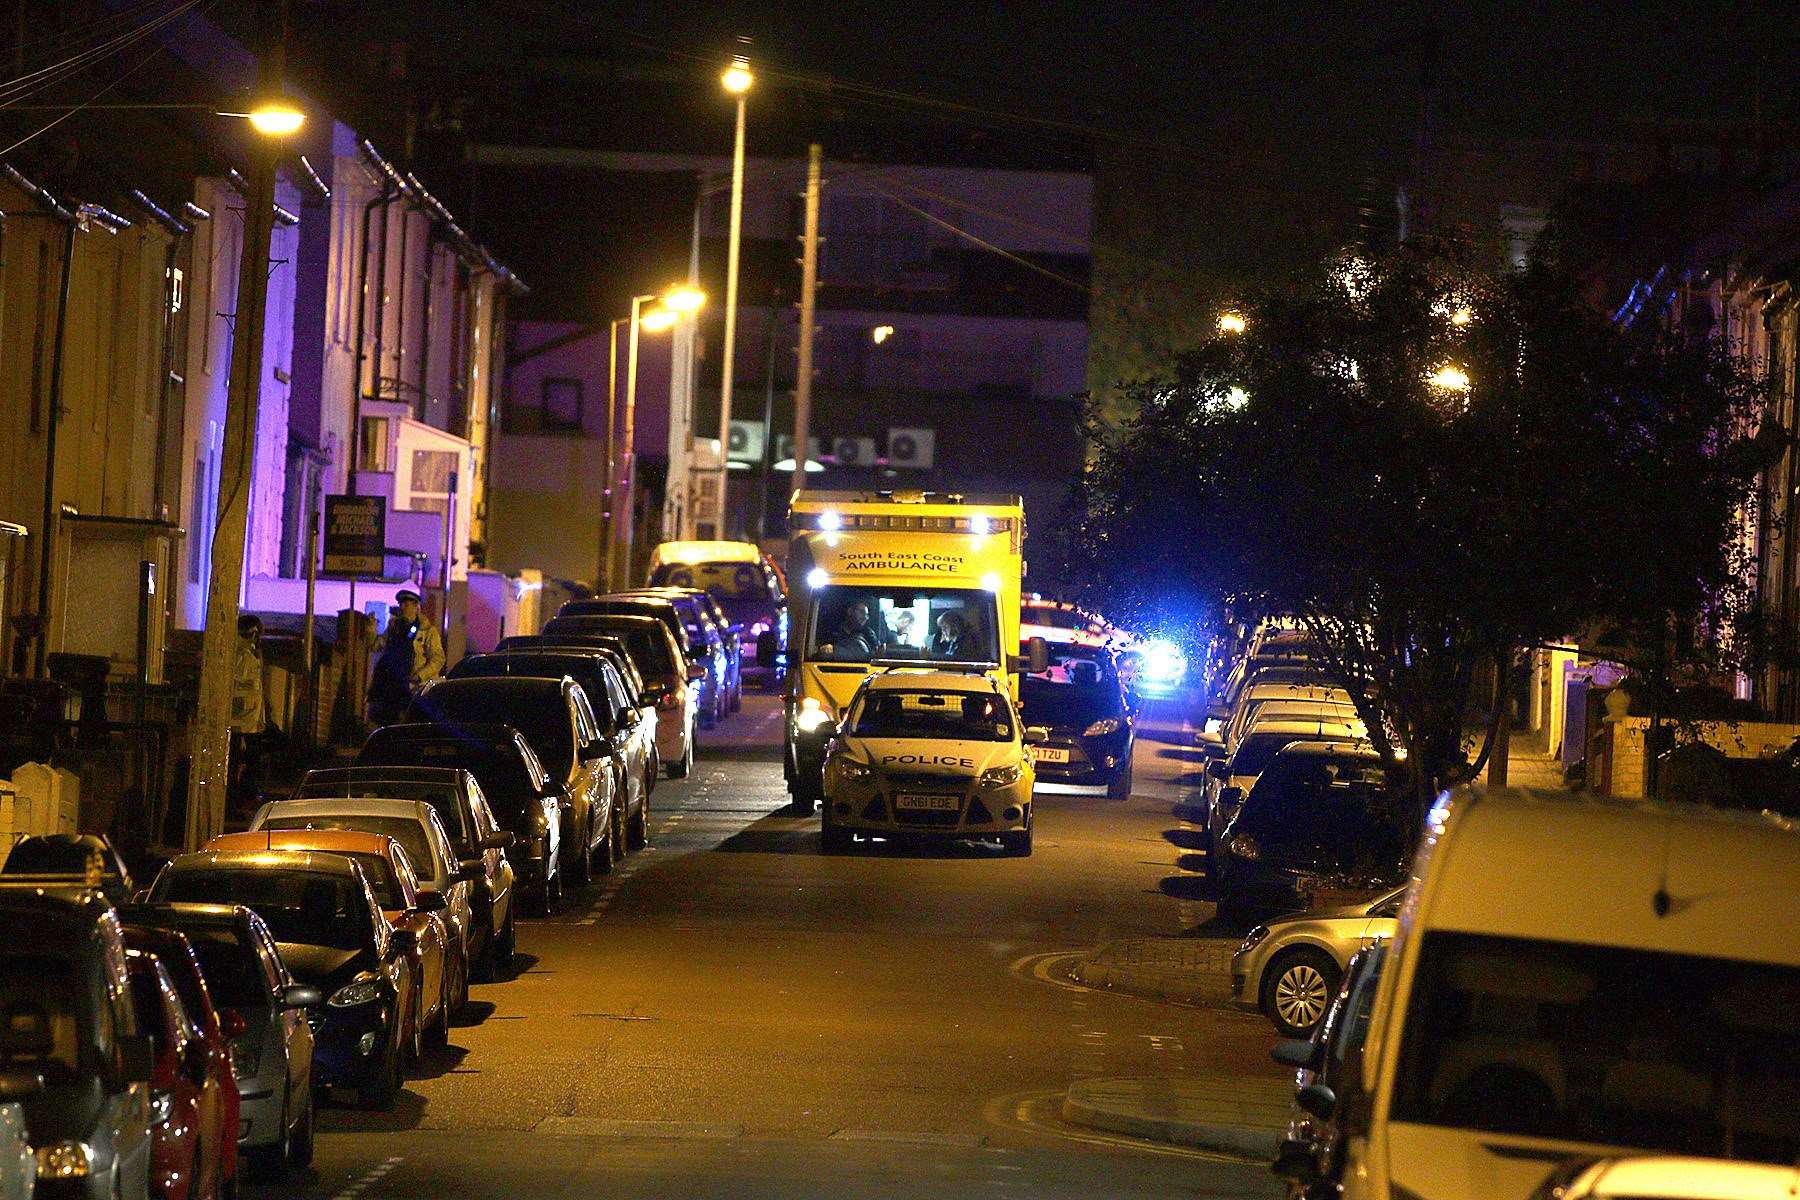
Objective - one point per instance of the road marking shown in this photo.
(903, 1137)
(1049, 968)
(1040, 1113)
(371, 1176)
(613, 1127)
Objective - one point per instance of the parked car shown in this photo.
(1290, 968)
(71, 854)
(66, 1014)
(1576, 976)
(18, 1163)
(404, 904)
(187, 1120)
(522, 796)
(1322, 816)
(1310, 1155)
(332, 937)
(614, 649)
(413, 824)
(746, 585)
(1286, 701)
(1229, 780)
(669, 679)
(479, 841)
(701, 615)
(212, 1036)
(659, 608)
(272, 1052)
(1667, 1177)
(701, 644)
(630, 730)
(1081, 704)
(557, 719)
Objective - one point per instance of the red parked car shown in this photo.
(188, 1138)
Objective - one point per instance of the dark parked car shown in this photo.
(71, 854)
(522, 796)
(187, 1107)
(66, 1014)
(210, 1057)
(752, 597)
(272, 1055)
(627, 729)
(1082, 703)
(332, 937)
(670, 681)
(706, 622)
(1321, 816)
(479, 841)
(1329, 1073)
(634, 691)
(558, 720)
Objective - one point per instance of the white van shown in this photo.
(1577, 977)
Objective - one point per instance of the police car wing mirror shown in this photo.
(1036, 735)
(826, 731)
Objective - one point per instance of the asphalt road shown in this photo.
(734, 1014)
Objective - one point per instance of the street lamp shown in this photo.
(1449, 378)
(621, 445)
(1232, 322)
(684, 299)
(737, 81)
(276, 118)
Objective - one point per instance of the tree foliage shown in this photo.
(1589, 476)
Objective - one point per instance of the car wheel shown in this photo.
(1017, 844)
(437, 1036)
(379, 1095)
(300, 1138)
(680, 768)
(503, 952)
(607, 852)
(1297, 989)
(1120, 787)
(637, 833)
(582, 868)
(834, 839)
(462, 983)
(415, 1042)
(616, 843)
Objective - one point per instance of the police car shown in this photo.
(930, 752)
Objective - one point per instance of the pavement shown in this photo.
(1182, 970)
(732, 1012)
(1232, 1114)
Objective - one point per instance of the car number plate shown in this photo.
(916, 802)
(1050, 753)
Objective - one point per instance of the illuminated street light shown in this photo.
(1236, 398)
(881, 333)
(684, 299)
(657, 320)
(1461, 317)
(1231, 322)
(737, 78)
(1449, 378)
(277, 118)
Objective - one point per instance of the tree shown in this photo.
(1433, 467)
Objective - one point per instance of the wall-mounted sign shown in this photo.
(355, 536)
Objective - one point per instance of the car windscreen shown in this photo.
(725, 580)
(308, 908)
(444, 798)
(648, 650)
(1666, 1053)
(408, 832)
(585, 669)
(1256, 751)
(541, 714)
(858, 624)
(234, 977)
(497, 765)
(40, 1015)
(949, 716)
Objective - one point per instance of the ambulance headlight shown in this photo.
(979, 524)
(990, 582)
(817, 578)
(830, 521)
(811, 716)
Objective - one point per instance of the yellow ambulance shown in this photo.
(879, 579)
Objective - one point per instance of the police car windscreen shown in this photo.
(946, 716)
(858, 624)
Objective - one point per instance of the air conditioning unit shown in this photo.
(746, 442)
(911, 449)
(784, 448)
(854, 451)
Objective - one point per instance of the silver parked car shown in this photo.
(1290, 968)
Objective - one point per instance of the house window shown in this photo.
(562, 404)
(372, 455)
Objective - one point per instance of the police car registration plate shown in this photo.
(915, 801)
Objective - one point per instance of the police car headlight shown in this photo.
(64, 1160)
(999, 777)
(854, 771)
(1102, 727)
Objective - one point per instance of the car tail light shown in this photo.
(671, 700)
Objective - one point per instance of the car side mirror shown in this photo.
(298, 995)
(766, 648)
(497, 841)
(137, 1058)
(1295, 1052)
(1231, 797)
(626, 717)
(1209, 740)
(404, 941)
(232, 1023)
(695, 672)
(1315, 1099)
(18, 1085)
(470, 870)
(826, 731)
(594, 751)
(1218, 712)
(430, 900)
(1036, 735)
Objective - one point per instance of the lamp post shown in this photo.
(621, 453)
(737, 81)
(209, 781)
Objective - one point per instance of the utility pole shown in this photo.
(809, 286)
(737, 81)
(209, 778)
